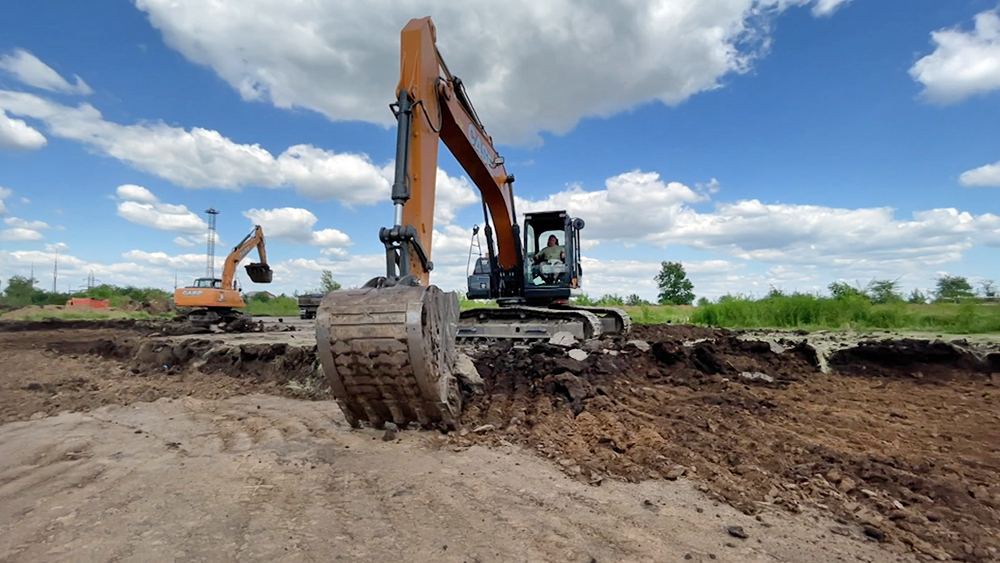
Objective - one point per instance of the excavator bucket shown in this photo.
(259, 273)
(389, 354)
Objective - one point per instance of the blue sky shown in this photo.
(785, 143)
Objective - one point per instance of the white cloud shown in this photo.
(16, 134)
(34, 225)
(141, 207)
(631, 206)
(203, 158)
(528, 66)
(988, 175)
(964, 63)
(827, 7)
(4, 194)
(25, 200)
(638, 207)
(181, 241)
(19, 234)
(57, 247)
(189, 262)
(295, 225)
(30, 70)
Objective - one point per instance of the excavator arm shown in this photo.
(259, 272)
(432, 106)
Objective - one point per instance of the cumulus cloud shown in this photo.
(638, 207)
(181, 241)
(189, 262)
(988, 175)
(827, 7)
(525, 65)
(204, 158)
(34, 225)
(16, 134)
(4, 194)
(27, 68)
(138, 205)
(295, 226)
(964, 63)
(20, 234)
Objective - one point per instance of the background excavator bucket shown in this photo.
(259, 273)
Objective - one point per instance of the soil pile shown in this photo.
(135, 326)
(760, 427)
(273, 363)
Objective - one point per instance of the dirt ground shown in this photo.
(642, 451)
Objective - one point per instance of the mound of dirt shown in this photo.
(277, 363)
(745, 419)
(913, 359)
(144, 327)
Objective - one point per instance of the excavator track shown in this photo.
(388, 354)
(527, 323)
(614, 321)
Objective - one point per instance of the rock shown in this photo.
(737, 532)
(36, 416)
(846, 485)
(756, 375)
(578, 355)
(566, 462)
(834, 476)
(390, 435)
(874, 533)
(642, 345)
(562, 338)
(776, 348)
(841, 531)
(934, 517)
(467, 373)
(676, 472)
(869, 493)
(648, 505)
(484, 429)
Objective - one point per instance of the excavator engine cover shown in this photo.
(389, 354)
(259, 273)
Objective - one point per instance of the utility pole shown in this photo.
(55, 273)
(210, 266)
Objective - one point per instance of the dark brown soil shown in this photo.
(913, 464)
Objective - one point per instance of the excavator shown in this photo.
(388, 348)
(212, 301)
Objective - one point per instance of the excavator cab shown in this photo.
(549, 275)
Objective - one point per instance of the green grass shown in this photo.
(280, 306)
(83, 316)
(809, 312)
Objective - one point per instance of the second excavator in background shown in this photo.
(388, 348)
(212, 301)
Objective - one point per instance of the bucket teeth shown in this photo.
(389, 354)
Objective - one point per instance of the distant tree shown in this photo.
(917, 297)
(953, 288)
(988, 288)
(883, 291)
(19, 291)
(634, 300)
(843, 290)
(775, 292)
(611, 301)
(703, 302)
(675, 288)
(584, 300)
(327, 283)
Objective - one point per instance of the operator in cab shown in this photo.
(552, 251)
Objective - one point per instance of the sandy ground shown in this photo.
(120, 445)
(263, 478)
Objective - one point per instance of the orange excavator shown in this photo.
(213, 300)
(388, 348)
